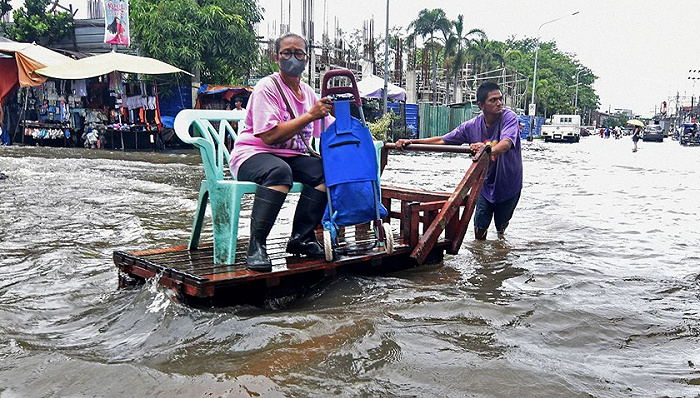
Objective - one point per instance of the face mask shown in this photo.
(292, 66)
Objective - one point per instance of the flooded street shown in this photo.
(594, 293)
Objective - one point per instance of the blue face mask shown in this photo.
(292, 66)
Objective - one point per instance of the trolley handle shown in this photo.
(352, 89)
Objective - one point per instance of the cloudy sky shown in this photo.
(641, 50)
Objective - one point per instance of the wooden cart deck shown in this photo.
(192, 274)
(426, 225)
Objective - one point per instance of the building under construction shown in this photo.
(362, 56)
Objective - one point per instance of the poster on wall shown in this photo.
(117, 22)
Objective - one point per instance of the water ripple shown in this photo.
(593, 293)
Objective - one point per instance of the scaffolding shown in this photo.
(513, 86)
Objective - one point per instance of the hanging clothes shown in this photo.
(115, 82)
(80, 87)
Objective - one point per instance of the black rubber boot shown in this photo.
(266, 207)
(480, 234)
(312, 204)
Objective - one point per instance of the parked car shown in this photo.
(653, 133)
(689, 134)
(587, 131)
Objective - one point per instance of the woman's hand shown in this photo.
(321, 108)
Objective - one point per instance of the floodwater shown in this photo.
(594, 293)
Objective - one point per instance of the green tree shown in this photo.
(457, 44)
(486, 55)
(428, 23)
(35, 23)
(215, 37)
(5, 7)
(556, 77)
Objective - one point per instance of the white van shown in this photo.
(563, 128)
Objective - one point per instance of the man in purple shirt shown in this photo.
(497, 127)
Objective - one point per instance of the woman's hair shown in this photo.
(278, 42)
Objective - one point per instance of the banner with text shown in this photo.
(117, 22)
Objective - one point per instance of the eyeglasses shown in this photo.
(298, 54)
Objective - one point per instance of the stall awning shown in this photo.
(226, 92)
(30, 57)
(372, 86)
(104, 64)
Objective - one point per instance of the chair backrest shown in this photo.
(209, 140)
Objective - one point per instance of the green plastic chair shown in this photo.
(222, 192)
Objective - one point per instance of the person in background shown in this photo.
(635, 137)
(239, 111)
(4, 134)
(497, 127)
(272, 151)
(235, 106)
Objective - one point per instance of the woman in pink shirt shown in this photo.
(272, 151)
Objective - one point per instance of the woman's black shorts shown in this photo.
(268, 170)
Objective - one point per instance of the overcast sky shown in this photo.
(641, 50)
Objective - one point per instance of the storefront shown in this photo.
(18, 63)
(99, 102)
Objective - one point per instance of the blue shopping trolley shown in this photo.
(351, 169)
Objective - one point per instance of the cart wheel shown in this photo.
(328, 245)
(388, 238)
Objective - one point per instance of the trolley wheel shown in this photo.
(388, 238)
(328, 245)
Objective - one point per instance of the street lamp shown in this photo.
(537, 51)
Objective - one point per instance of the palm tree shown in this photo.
(457, 44)
(427, 24)
(486, 55)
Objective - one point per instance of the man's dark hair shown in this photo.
(278, 42)
(484, 89)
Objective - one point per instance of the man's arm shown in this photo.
(431, 141)
(503, 146)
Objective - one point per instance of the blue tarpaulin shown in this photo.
(525, 120)
(176, 100)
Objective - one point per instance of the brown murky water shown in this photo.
(594, 293)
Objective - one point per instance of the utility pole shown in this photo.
(576, 97)
(385, 94)
(307, 30)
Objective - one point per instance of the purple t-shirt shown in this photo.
(266, 109)
(505, 176)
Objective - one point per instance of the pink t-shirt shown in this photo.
(266, 109)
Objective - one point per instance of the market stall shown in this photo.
(18, 65)
(116, 108)
(212, 96)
